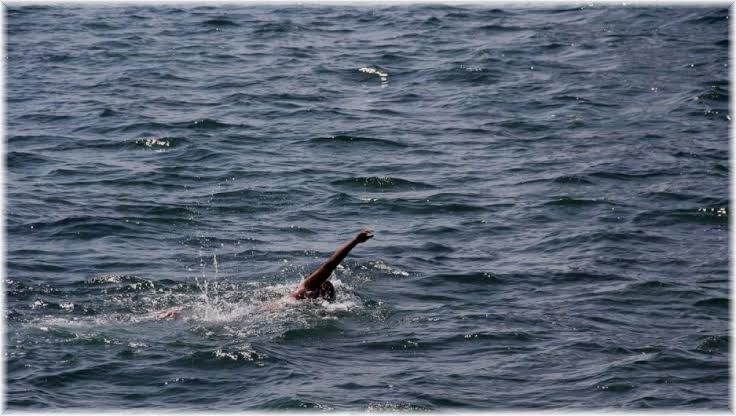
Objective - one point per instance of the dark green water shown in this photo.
(548, 187)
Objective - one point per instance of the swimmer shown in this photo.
(315, 285)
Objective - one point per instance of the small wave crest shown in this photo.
(665, 217)
(395, 407)
(382, 75)
(158, 143)
(576, 202)
(220, 23)
(378, 183)
(341, 140)
(390, 270)
(714, 343)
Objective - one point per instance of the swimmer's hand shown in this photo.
(364, 235)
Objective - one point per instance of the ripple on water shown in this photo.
(220, 23)
(160, 143)
(353, 142)
(666, 217)
(395, 407)
(714, 344)
(381, 184)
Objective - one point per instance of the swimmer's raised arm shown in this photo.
(319, 276)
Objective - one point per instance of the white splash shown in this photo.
(154, 142)
(383, 76)
(222, 309)
(243, 352)
(388, 269)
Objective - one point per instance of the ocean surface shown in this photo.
(548, 188)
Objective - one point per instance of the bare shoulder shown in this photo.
(172, 314)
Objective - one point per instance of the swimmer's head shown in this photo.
(326, 291)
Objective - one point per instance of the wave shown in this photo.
(220, 358)
(464, 74)
(442, 204)
(219, 23)
(356, 141)
(381, 183)
(613, 348)
(467, 278)
(437, 230)
(393, 407)
(718, 17)
(46, 117)
(66, 377)
(602, 238)
(572, 179)
(249, 194)
(701, 200)
(208, 124)
(714, 94)
(562, 179)
(498, 28)
(633, 176)
(716, 303)
(577, 202)
(160, 143)
(116, 279)
(271, 29)
(249, 200)
(714, 344)
(147, 127)
(714, 216)
(17, 160)
(100, 25)
(86, 228)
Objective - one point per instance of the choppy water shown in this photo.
(548, 186)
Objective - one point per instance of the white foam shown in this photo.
(383, 76)
(388, 269)
(241, 352)
(220, 309)
(154, 142)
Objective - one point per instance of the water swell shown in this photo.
(220, 23)
(379, 183)
(357, 141)
(715, 216)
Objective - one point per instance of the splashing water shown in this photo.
(213, 309)
(383, 76)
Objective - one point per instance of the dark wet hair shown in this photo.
(326, 291)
